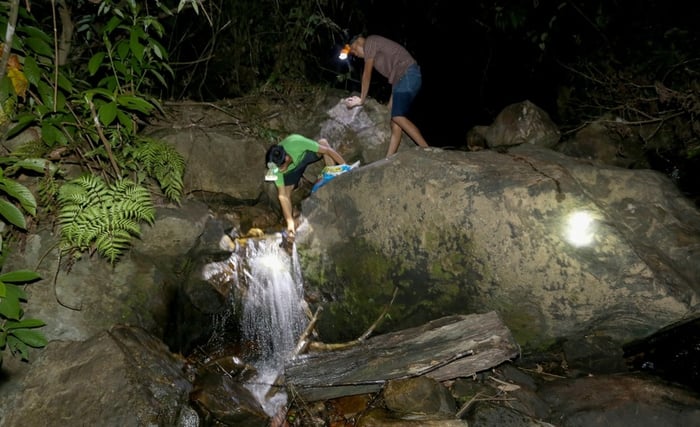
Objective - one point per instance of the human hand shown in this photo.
(353, 101)
(288, 241)
(291, 233)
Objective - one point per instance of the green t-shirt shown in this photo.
(295, 146)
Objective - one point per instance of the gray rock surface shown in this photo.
(122, 377)
(470, 232)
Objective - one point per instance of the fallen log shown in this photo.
(446, 348)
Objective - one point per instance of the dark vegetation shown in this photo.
(80, 78)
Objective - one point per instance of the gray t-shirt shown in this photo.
(390, 58)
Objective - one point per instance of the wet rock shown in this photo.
(418, 395)
(620, 401)
(220, 394)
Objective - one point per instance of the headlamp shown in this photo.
(344, 52)
(272, 170)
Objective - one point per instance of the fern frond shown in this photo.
(106, 218)
(163, 163)
(84, 191)
(35, 148)
(48, 192)
(112, 245)
(134, 210)
(132, 201)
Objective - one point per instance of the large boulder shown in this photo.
(460, 232)
(518, 123)
(120, 377)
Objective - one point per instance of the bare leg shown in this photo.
(395, 140)
(400, 124)
(328, 160)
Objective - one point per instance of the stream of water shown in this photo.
(273, 314)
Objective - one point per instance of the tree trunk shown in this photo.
(446, 348)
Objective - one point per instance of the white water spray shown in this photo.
(273, 316)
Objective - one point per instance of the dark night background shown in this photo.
(478, 56)
(475, 64)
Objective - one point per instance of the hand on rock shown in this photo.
(353, 101)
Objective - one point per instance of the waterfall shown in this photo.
(273, 313)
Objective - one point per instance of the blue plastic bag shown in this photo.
(330, 172)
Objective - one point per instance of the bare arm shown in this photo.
(284, 194)
(354, 101)
(366, 79)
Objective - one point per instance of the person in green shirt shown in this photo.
(286, 163)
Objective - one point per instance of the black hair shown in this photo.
(276, 155)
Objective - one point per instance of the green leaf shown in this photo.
(111, 25)
(39, 46)
(24, 324)
(107, 113)
(135, 103)
(19, 192)
(160, 51)
(159, 77)
(32, 71)
(3, 291)
(157, 49)
(136, 47)
(121, 67)
(12, 214)
(125, 119)
(23, 120)
(35, 32)
(46, 94)
(30, 337)
(51, 134)
(90, 94)
(95, 62)
(10, 306)
(122, 51)
(20, 276)
(17, 346)
(64, 83)
(36, 165)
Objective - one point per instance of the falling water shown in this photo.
(273, 314)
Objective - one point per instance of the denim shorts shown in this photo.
(405, 91)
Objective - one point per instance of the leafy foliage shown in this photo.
(96, 216)
(93, 111)
(19, 193)
(17, 333)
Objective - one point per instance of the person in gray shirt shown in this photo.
(395, 63)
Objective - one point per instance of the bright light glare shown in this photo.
(580, 229)
(344, 52)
